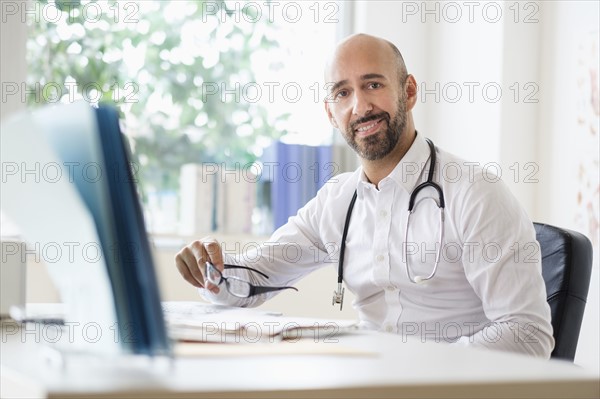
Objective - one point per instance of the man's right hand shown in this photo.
(191, 262)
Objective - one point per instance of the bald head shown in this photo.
(370, 100)
(361, 44)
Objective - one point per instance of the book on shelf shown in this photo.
(214, 198)
(197, 199)
(298, 172)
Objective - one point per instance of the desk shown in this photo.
(393, 369)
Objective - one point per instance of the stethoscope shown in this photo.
(338, 295)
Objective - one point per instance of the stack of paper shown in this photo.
(198, 322)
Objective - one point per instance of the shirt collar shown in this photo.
(409, 170)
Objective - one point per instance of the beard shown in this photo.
(376, 147)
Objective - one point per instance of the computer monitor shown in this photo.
(130, 266)
(85, 193)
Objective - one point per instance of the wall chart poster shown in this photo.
(588, 113)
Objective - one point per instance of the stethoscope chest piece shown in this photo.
(338, 296)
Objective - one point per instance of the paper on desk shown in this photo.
(196, 310)
(217, 323)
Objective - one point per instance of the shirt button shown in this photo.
(390, 288)
(383, 213)
(380, 258)
(389, 328)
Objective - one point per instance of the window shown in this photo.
(213, 82)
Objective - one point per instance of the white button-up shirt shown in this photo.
(488, 290)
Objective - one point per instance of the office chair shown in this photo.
(566, 268)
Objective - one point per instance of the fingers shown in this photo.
(211, 252)
(187, 266)
(197, 257)
(213, 249)
(191, 260)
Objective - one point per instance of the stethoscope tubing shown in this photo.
(411, 204)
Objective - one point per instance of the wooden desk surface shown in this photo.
(372, 365)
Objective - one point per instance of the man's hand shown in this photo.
(191, 262)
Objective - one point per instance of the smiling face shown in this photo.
(374, 136)
(367, 101)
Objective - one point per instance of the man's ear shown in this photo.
(330, 115)
(410, 88)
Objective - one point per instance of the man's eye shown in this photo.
(341, 93)
(374, 85)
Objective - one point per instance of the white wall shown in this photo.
(459, 66)
(533, 44)
(13, 67)
(564, 144)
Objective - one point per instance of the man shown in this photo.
(479, 284)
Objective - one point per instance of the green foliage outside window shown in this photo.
(152, 59)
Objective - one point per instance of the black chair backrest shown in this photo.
(567, 268)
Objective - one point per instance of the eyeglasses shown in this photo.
(236, 286)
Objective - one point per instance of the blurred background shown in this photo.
(213, 93)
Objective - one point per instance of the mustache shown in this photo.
(382, 115)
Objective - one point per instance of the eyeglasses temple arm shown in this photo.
(226, 266)
(257, 290)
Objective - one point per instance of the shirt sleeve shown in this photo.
(292, 252)
(502, 262)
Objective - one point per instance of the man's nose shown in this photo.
(362, 105)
